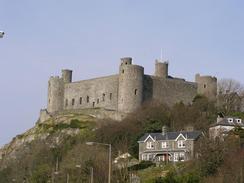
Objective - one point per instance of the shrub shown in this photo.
(141, 165)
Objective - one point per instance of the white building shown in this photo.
(223, 125)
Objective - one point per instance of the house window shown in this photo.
(176, 157)
(103, 96)
(150, 157)
(182, 156)
(164, 144)
(110, 96)
(238, 120)
(181, 144)
(144, 157)
(150, 145)
(80, 100)
(230, 120)
(66, 102)
(161, 158)
(87, 99)
(73, 101)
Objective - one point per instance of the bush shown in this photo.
(141, 165)
(75, 123)
(172, 177)
(41, 174)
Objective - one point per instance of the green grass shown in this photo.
(68, 121)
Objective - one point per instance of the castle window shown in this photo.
(135, 91)
(98, 101)
(73, 101)
(93, 104)
(204, 86)
(87, 99)
(110, 96)
(103, 96)
(80, 100)
(66, 102)
(123, 71)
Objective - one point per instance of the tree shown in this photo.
(230, 95)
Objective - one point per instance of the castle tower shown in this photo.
(55, 94)
(161, 69)
(207, 86)
(130, 86)
(67, 75)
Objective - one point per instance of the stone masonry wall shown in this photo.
(169, 91)
(94, 93)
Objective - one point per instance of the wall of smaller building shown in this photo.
(94, 93)
(218, 131)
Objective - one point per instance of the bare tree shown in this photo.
(230, 95)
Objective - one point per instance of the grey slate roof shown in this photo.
(171, 135)
(225, 122)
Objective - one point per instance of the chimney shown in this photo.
(189, 128)
(219, 118)
(164, 130)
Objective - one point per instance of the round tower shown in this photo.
(67, 75)
(55, 94)
(130, 86)
(207, 86)
(161, 69)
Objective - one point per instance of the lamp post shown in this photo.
(1, 34)
(109, 157)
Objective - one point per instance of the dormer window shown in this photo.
(150, 145)
(238, 121)
(230, 120)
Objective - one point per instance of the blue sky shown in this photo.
(42, 37)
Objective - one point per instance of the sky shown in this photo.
(90, 37)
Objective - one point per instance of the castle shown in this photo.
(125, 92)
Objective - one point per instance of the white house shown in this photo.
(223, 125)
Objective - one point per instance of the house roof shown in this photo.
(226, 121)
(193, 135)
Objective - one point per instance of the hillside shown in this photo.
(55, 150)
(50, 135)
(53, 131)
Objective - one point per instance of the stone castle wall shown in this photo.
(169, 91)
(100, 92)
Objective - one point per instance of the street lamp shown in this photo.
(1, 34)
(109, 160)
